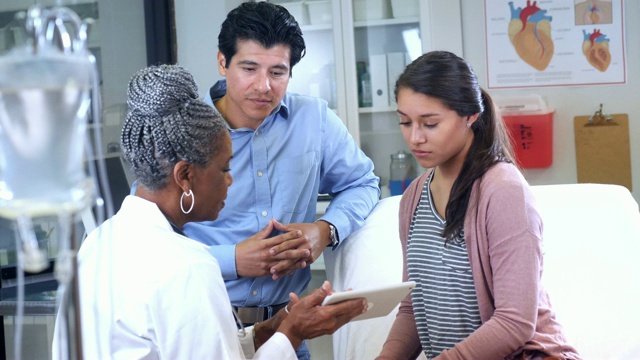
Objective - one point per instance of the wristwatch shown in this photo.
(333, 235)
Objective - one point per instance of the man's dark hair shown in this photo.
(265, 23)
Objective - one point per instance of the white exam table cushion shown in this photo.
(591, 245)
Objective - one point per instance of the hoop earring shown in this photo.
(193, 201)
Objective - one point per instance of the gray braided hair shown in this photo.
(167, 123)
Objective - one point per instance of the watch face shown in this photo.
(332, 235)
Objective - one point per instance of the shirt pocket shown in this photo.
(455, 257)
(294, 182)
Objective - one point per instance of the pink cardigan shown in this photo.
(503, 234)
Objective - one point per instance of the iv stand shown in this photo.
(67, 70)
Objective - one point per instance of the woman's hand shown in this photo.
(308, 319)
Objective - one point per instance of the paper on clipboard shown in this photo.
(603, 154)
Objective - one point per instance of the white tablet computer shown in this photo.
(381, 299)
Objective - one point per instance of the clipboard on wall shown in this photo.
(603, 153)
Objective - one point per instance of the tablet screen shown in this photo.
(381, 300)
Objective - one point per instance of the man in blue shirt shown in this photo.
(287, 148)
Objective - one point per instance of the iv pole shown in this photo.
(44, 103)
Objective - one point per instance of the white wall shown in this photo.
(569, 101)
(197, 27)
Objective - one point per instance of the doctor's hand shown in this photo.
(254, 257)
(308, 319)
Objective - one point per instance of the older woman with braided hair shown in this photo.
(146, 290)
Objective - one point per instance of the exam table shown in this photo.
(591, 246)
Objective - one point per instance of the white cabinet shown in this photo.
(385, 46)
(321, 72)
(383, 34)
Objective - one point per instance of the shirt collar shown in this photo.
(152, 212)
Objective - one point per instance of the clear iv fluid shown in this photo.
(44, 101)
(42, 134)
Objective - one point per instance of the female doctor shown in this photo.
(146, 290)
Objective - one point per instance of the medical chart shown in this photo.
(554, 43)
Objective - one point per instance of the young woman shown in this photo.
(470, 231)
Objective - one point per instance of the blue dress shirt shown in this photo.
(300, 150)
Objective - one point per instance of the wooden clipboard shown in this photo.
(603, 152)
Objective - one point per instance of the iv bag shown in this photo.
(44, 102)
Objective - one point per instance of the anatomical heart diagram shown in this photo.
(530, 34)
(596, 48)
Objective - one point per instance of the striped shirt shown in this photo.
(445, 304)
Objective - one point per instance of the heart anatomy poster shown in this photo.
(554, 43)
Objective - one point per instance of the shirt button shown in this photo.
(264, 213)
(254, 292)
(259, 173)
(257, 132)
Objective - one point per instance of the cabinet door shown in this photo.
(384, 36)
(318, 72)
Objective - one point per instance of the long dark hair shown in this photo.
(450, 79)
(265, 23)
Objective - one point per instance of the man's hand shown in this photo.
(316, 239)
(254, 256)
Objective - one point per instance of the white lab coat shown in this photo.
(149, 293)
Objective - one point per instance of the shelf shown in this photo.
(316, 27)
(370, 110)
(386, 22)
(321, 207)
(370, 133)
